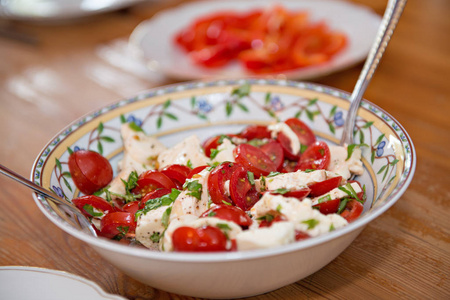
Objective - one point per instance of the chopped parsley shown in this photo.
(342, 205)
(281, 191)
(348, 189)
(194, 188)
(324, 198)
(273, 174)
(152, 204)
(155, 237)
(91, 210)
(251, 177)
(214, 153)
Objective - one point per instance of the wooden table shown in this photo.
(77, 67)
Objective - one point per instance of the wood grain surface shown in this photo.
(67, 69)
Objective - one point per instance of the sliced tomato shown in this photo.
(177, 173)
(300, 194)
(242, 192)
(214, 142)
(152, 180)
(352, 210)
(274, 151)
(117, 224)
(322, 187)
(289, 166)
(300, 235)
(254, 160)
(285, 144)
(153, 195)
(229, 213)
(328, 207)
(316, 157)
(131, 207)
(203, 239)
(89, 202)
(304, 133)
(255, 132)
(90, 171)
(216, 182)
(196, 171)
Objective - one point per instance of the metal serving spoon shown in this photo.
(76, 218)
(390, 19)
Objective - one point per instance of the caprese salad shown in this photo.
(262, 187)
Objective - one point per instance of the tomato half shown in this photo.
(177, 173)
(316, 157)
(299, 194)
(285, 144)
(254, 160)
(153, 195)
(328, 207)
(90, 171)
(117, 223)
(300, 235)
(352, 211)
(322, 187)
(131, 207)
(304, 133)
(214, 142)
(244, 194)
(229, 213)
(255, 132)
(269, 219)
(275, 152)
(196, 171)
(98, 203)
(203, 239)
(152, 180)
(216, 182)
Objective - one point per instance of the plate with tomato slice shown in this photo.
(232, 39)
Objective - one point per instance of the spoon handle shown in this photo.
(19, 178)
(390, 19)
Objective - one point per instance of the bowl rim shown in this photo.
(113, 246)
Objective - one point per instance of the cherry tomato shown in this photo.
(285, 144)
(300, 235)
(352, 211)
(216, 182)
(203, 239)
(244, 194)
(117, 223)
(152, 180)
(196, 171)
(153, 195)
(361, 195)
(275, 152)
(255, 132)
(299, 194)
(229, 213)
(254, 160)
(95, 202)
(316, 157)
(304, 133)
(131, 207)
(322, 187)
(90, 171)
(178, 174)
(329, 207)
(214, 142)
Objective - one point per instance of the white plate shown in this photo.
(24, 283)
(38, 10)
(152, 40)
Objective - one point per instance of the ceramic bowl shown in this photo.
(209, 108)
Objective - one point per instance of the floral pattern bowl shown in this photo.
(208, 108)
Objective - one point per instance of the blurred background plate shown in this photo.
(23, 283)
(50, 10)
(152, 40)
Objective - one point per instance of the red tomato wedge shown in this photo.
(255, 132)
(329, 207)
(117, 223)
(177, 173)
(274, 151)
(153, 195)
(92, 202)
(216, 182)
(152, 180)
(229, 213)
(203, 239)
(322, 187)
(304, 133)
(131, 207)
(254, 160)
(299, 194)
(316, 157)
(90, 171)
(196, 171)
(352, 210)
(242, 192)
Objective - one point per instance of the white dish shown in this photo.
(152, 40)
(38, 10)
(24, 283)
